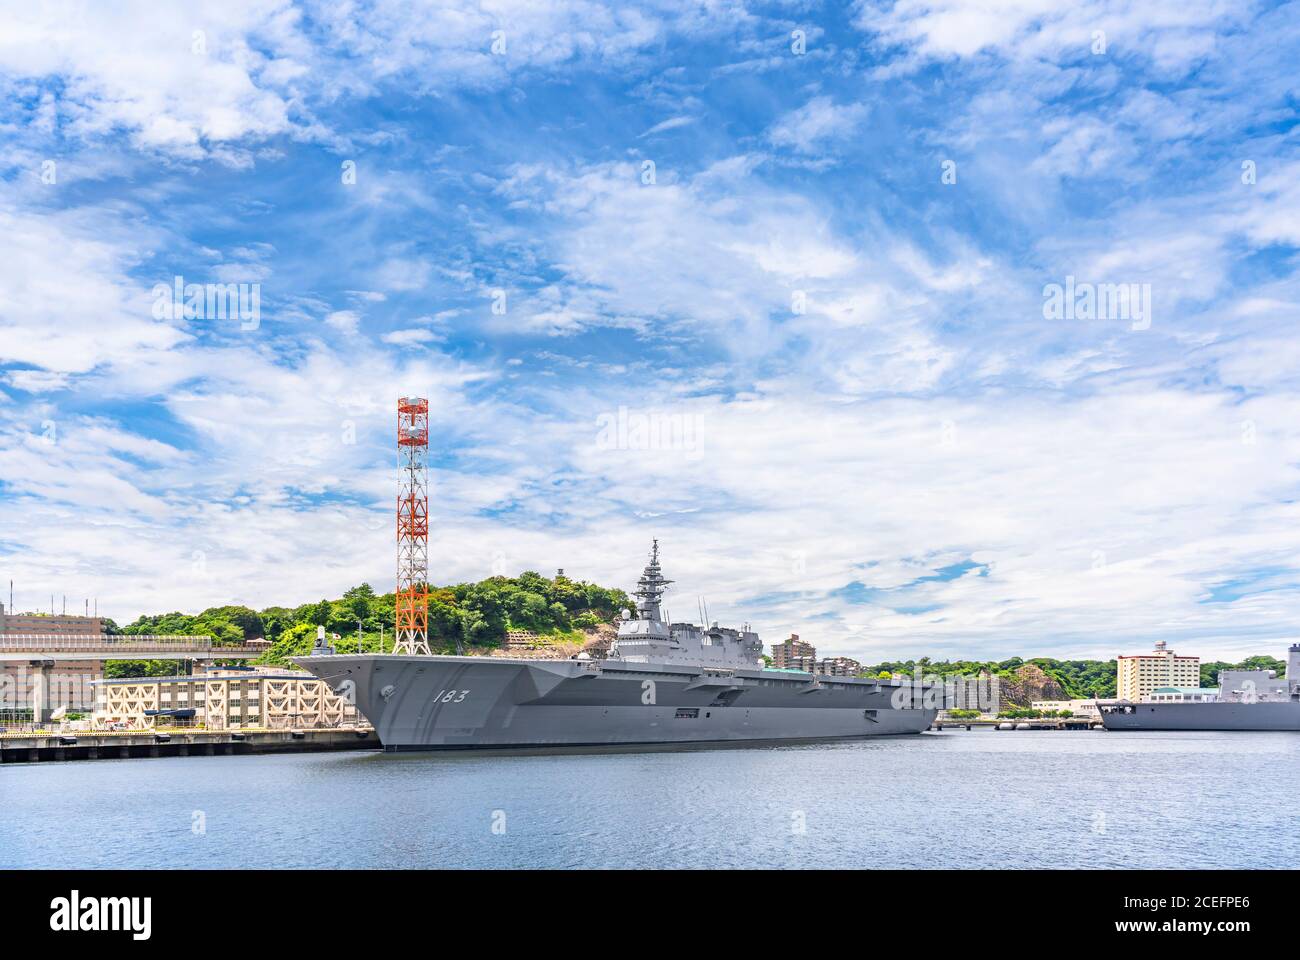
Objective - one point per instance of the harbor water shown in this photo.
(976, 799)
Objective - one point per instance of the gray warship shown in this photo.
(1245, 700)
(662, 683)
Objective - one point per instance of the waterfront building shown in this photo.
(42, 674)
(790, 649)
(1080, 708)
(1184, 695)
(222, 699)
(1138, 676)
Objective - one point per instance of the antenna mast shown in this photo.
(650, 588)
(412, 635)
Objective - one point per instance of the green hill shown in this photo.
(475, 614)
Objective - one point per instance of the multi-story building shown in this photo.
(72, 679)
(222, 699)
(790, 649)
(839, 667)
(1138, 676)
(806, 664)
(827, 667)
(40, 623)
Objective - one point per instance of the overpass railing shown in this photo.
(137, 643)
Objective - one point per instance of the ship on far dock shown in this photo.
(1246, 700)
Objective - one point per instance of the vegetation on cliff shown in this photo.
(1078, 679)
(476, 615)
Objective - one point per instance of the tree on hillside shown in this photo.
(121, 669)
(476, 614)
(319, 613)
(359, 601)
(248, 621)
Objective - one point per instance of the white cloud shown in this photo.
(36, 381)
(412, 335)
(178, 79)
(193, 80)
(720, 252)
(70, 303)
(344, 321)
(1172, 34)
(672, 123)
(400, 274)
(816, 124)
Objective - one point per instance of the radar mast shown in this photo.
(650, 588)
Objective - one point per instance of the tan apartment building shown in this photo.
(839, 667)
(1139, 676)
(789, 649)
(40, 623)
(223, 699)
(828, 666)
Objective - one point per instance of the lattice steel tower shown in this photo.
(412, 526)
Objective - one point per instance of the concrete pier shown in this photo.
(1076, 723)
(35, 748)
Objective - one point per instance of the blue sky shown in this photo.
(766, 281)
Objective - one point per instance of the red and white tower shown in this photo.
(412, 526)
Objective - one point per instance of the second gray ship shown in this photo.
(1244, 700)
(662, 683)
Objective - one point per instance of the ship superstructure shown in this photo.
(646, 638)
(662, 683)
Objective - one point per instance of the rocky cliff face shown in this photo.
(601, 638)
(1030, 684)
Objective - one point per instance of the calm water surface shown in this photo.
(952, 799)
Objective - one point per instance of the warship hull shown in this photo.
(1284, 715)
(446, 702)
